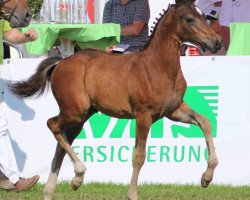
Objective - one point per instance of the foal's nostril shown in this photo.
(28, 16)
(217, 44)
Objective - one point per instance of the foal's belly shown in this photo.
(120, 108)
(113, 105)
(115, 111)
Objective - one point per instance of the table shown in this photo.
(83, 35)
(239, 39)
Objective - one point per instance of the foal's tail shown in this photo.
(38, 82)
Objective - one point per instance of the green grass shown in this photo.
(99, 191)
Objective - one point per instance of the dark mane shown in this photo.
(156, 23)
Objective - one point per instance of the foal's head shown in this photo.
(16, 12)
(192, 26)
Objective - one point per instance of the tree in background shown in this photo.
(35, 6)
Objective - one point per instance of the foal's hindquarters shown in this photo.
(74, 112)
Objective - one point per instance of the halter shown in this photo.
(7, 16)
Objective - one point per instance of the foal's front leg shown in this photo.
(143, 123)
(185, 114)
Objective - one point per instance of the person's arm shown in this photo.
(141, 18)
(16, 37)
(132, 29)
(225, 33)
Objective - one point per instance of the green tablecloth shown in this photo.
(239, 39)
(85, 35)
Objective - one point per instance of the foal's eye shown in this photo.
(189, 20)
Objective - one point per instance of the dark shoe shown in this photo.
(25, 184)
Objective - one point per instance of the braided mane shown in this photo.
(156, 23)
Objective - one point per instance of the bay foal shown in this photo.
(145, 85)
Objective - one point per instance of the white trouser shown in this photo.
(8, 163)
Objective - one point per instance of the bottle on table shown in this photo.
(75, 11)
(46, 12)
(62, 12)
(79, 11)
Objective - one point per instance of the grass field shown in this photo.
(98, 191)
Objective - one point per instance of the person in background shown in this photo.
(10, 178)
(133, 16)
(211, 8)
(233, 11)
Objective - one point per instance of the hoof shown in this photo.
(204, 182)
(47, 197)
(132, 196)
(48, 191)
(75, 183)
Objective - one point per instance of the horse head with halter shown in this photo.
(16, 12)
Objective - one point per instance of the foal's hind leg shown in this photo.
(143, 123)
(54, 171)
(185, 114)
(58, 126)
(57, 162)
(64, 146)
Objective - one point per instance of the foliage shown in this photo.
(35, 6)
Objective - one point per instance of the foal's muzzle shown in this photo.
(217, 45)
(213, 45)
